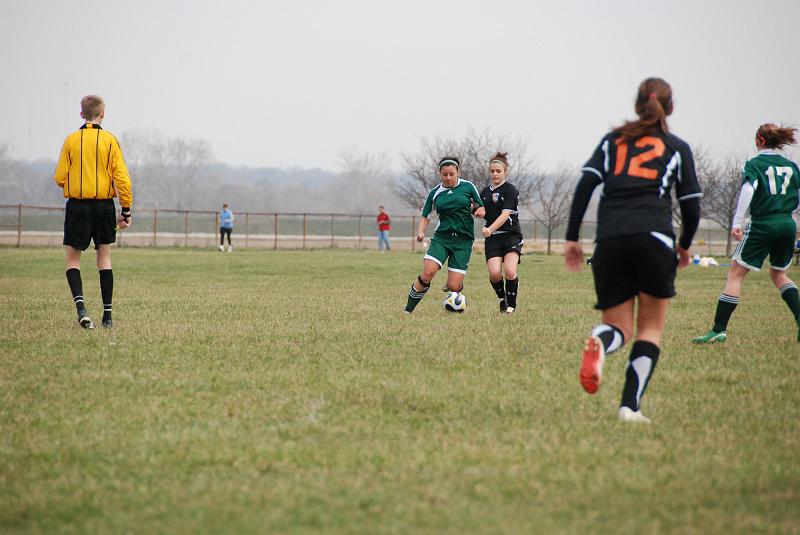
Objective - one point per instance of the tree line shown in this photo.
(180, 173)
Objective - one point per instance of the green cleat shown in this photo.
(711, 337)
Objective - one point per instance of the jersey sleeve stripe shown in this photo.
(592, 170)
(690, 196)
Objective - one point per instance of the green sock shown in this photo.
(790, 294)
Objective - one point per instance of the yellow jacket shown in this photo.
(91, 167)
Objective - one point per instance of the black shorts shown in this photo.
(90, 219)
(502, 244)
(625, 266)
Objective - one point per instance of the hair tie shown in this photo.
(504, 164)
(653, 95)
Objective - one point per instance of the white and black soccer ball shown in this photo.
(455, 302)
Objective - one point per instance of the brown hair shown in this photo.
(92, 106)
(449, 160)
(773, 136)
(500, 157)
(653, 105)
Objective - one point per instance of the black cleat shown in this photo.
(107, 323)
(84, 320)
(503, 305)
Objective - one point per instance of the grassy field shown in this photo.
(286, 392)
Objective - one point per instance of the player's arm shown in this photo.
(478, 209)
(423, 224)
(62, 167)
(122, 184)
(742, 206)
(573, 252)
(510, 204)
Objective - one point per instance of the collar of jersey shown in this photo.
(769, 151)
(454, 185)
(91, 125)
(492, 187)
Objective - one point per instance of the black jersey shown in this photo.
(503, 198)
(638, 176)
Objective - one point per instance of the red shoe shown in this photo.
(592, 366)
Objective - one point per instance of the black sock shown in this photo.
(76, 287)
(499, 290)
(107, 291)
(790, 294)
(641, 364)
(725, 307)
(611, 337)
(415, 296)
(512, 285)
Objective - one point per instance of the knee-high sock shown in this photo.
(415, 296)
(725, 307)
(512, 288)
(641, 364)
(790, 294)
(76, 287)
(498, 288)
(107, 291)
(611, 337)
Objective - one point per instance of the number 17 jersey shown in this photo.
(638, 175)
(776, 181)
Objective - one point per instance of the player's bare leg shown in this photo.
(644, 354)
(726, 304)
(106, 281)
(421, 286)
(455, 281)
(73, 269)
(510, 263)
(495, 267)
(789, 294)
(610, 335)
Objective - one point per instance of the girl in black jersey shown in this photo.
(635, 254)
(503, 234)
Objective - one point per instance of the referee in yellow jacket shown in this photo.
(92, 172)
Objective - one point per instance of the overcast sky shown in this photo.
(293, 82)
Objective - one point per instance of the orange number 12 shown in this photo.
(656, 150)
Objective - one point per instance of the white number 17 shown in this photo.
(785, 172)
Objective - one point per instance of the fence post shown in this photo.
(275, 244)
(413, 236)
(19, 225)
(304, 229)
(155, 226)
(360, 217)
(246, 224)
(186, 228)
(332, 216)
(709, 242)
(534, 232)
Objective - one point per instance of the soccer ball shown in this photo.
(455, 302)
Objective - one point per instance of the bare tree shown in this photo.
(474, 151)
(365, 181)
(166, 171)
(552, 197)
(721, 193)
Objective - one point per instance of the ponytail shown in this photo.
(773, 136)
(653, 105)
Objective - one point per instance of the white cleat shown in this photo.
(509, 310)
(626, 414)
(230, 248)
(221, 247)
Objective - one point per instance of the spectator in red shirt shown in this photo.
(384, 225)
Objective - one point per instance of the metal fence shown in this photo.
(42, 225)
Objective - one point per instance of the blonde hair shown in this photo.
(92, 106)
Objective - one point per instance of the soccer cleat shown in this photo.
(711, 337)
(509, 310)
(221, 247)
(503, 305)
(592, 366)
(230, 248)
(107, 323)
(84, 320)
(626, 414)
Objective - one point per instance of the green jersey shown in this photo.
(776, 181)
(454, 206)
